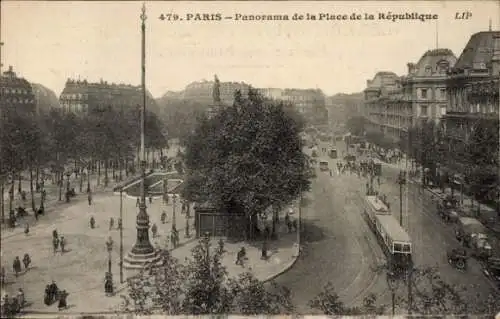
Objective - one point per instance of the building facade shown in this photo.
(473, 89)
(16, 93)
(382, 94)
(425, 85)
(82, 96)
(394, 104)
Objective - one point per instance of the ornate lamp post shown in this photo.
(143, 252)
(109, 276)
(174, 201)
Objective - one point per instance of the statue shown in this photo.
(216, 90)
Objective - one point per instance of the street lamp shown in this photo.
(120, 224)
(187, 221)
(401, 181)
(174, 201)
(108, 287)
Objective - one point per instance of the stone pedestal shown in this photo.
(134, 263)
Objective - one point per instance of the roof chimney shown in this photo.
(495, 59)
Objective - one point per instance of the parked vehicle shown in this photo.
(473, 235)
(323, 166)
(457, 257)
(448, 209)
(492, 269)
(333, 153)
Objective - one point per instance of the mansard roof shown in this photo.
(478, 50)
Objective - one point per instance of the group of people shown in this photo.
(16, 265)
(53, 293)
(12, 306)
(58, 241)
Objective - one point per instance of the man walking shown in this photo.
(16, 265)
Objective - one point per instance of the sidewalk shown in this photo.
(80, 270)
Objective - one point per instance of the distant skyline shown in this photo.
(48, 42)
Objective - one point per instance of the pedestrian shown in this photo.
(47, 300)
(378, 180)
(16, 266)
(53, 291)
(54, 233)
(174, 237)
(167, 198)
(288, 222)
(150, 199)
(137, 202)
(55, 244)
(62, 300)
(89, 198)
(2, 276)
(26, 260)
(111, 223)
(163, 217)
(20, 297)
(62, 243)
(240, 256)
(27, 229)
(92, 222)
(154, 230)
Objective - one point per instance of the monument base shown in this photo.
(135, 263)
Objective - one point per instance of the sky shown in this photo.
(48, 42)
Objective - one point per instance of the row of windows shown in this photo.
(15, 91)
(74, 96)
(427, 93)
(19, 100)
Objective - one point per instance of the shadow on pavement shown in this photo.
(311, 233)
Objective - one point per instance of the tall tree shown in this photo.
(430, 295)
(246, 159)
(200, 287)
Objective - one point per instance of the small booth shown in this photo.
(216, 223)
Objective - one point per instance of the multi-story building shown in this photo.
(271, 93)
(473, 88)
(82, 96)
(384, 87)
(394, 104)
(16, 93)
(202, 91)
(425, 84)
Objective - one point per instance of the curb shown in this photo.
(284, 269)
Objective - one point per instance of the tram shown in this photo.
(393, 239)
